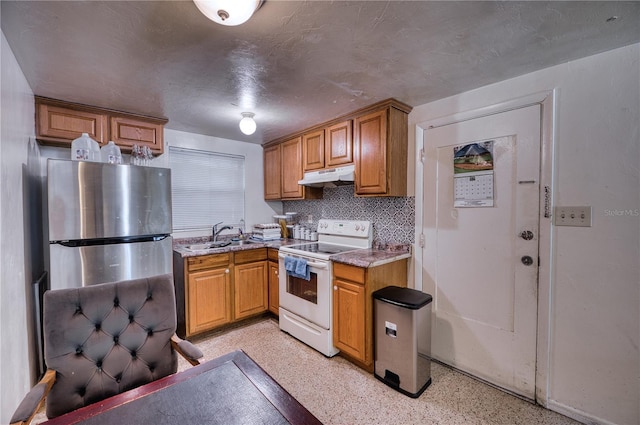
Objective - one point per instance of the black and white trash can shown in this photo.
(402, 321)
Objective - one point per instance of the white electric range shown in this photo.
(306, 306)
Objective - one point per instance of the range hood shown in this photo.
(329, 178)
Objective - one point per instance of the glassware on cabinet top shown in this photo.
(141, 155)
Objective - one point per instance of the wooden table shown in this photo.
(231, 389)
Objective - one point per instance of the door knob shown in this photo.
(526, 260)
(527, 235)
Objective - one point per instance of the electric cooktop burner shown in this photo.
(322, 248)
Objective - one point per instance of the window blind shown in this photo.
(206, 188)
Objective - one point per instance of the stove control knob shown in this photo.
(357, 227)
(364, 228)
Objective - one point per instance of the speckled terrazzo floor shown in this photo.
(337, 392)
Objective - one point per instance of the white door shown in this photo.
(478, 264)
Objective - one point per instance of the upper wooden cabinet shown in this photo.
(58, 126)
(328, 147)
(374, 138)
(339, 144)
(126, 132)
(291, 160)
(291, 169)
(380, 145)
(58, 123)
(313, 150)
(272, 173)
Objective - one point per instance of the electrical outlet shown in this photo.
(310, 218)
(572, 216)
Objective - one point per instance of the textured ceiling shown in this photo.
(294, 63)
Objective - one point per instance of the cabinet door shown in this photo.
(251, 289)
(349, 318)
(338, 144)
(292, 169)
(274, 282)
(313, 150)
(126, 132)
(209, 302)
(60, 126)
(272, 169)
(370, 144)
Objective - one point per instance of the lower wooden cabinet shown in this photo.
(349, 318)
(251, 289)
(353, 307)
(218, 289)
(274, 282)
(209, 299)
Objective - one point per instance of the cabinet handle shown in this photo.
(335, 287)
(226, 271)
(276, 272)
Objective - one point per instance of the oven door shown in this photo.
(309, 299)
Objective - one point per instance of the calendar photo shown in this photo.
(473, 157)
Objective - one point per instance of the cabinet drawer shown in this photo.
(250, 255)
(272, 253)
(352, 273)
(208, 261)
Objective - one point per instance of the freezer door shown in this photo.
(72, 267)
(91, 200)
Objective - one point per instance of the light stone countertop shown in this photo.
(369, 257)
(179, 246)
(360, 258)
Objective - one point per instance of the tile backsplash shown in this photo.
(393, 218)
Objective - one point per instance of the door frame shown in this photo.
(546, 238)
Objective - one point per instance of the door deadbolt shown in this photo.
(527, 235)
(526, 260)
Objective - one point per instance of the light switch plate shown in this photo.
(572, 216)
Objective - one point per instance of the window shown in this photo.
(206, 188)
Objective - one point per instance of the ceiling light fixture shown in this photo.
(247, 124)
(228, 12)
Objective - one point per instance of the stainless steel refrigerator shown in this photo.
(107, 222)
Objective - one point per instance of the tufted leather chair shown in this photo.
(105, 339)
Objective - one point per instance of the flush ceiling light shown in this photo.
(228, 12)
(247, 124)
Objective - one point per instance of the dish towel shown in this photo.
(297, 267)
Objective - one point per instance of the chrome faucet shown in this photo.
(217, 231)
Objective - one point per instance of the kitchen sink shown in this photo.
(244, 242)
(220, 244)
(207, 245)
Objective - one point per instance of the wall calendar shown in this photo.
(473, 175)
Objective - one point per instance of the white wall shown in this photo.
(256, 209)
(593, 328)
(17, 127)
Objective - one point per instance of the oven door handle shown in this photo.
(323, 266)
